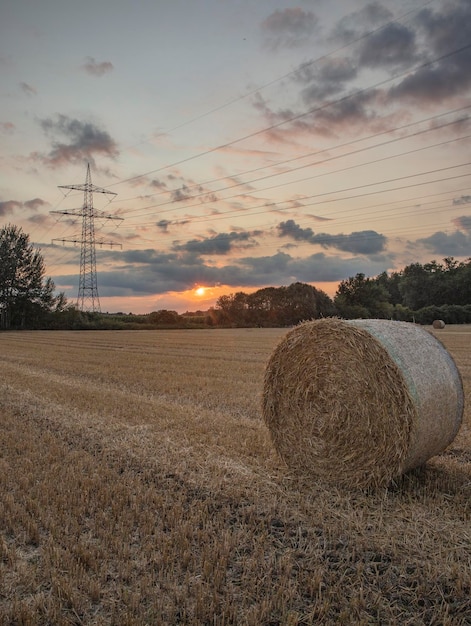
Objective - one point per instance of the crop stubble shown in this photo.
(140, 486)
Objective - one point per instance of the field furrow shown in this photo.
(139, 486)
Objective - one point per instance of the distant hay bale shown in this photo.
(438, 324)
(359, 402)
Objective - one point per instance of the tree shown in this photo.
(233, 309)
(391, 284)
(463, 283)
(26, 297)
(362, 297)
(164, 318)
(435, 284)
(274, 306)
(304, 302)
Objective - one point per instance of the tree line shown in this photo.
(418, 293)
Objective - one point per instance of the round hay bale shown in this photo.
(359, 402)
(438, 324)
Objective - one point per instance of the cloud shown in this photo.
(158, 184)
(83, 141)
(462, 200)
(145, 272)
(222, 243)
(337, 103)
(7, 127)
(358, 23)
(347, 114)
(39, 219)
(268, 266)
(248, 152)
(367, 242)
(326, 78)
(34, 204)
(463, 223)
(273, 117)
(181, 194)
(319, 218)
(9, 206)
(282, 269)
(448, 29)
(392, 46)
(293, 230)
(443, 32)
(94, 68)
(163, 225)
(28, 89)
(454, 244)
(319, 267)
(188, 190)
(288, 28)
(434, 84)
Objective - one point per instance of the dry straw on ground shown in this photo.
(360, 402)
(438, 324)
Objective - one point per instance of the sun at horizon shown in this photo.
(200, 291)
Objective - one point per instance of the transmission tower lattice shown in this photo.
(88, 299)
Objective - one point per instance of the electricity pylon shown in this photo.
(88, 299)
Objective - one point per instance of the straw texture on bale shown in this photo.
(359, 402)
(438, 324)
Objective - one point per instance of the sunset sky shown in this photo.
(249, 143)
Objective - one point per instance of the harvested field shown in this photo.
(139, 485)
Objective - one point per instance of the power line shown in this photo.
(205, 218)
(296, 158)
(309, 112)
(295, 71)
(317, 152)
(357, 209)
(320, 162)
(299, 116)
(351, 197)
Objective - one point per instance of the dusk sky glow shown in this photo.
(250, 144)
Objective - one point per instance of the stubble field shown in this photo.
(139, 485)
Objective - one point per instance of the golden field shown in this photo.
(139, 485)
